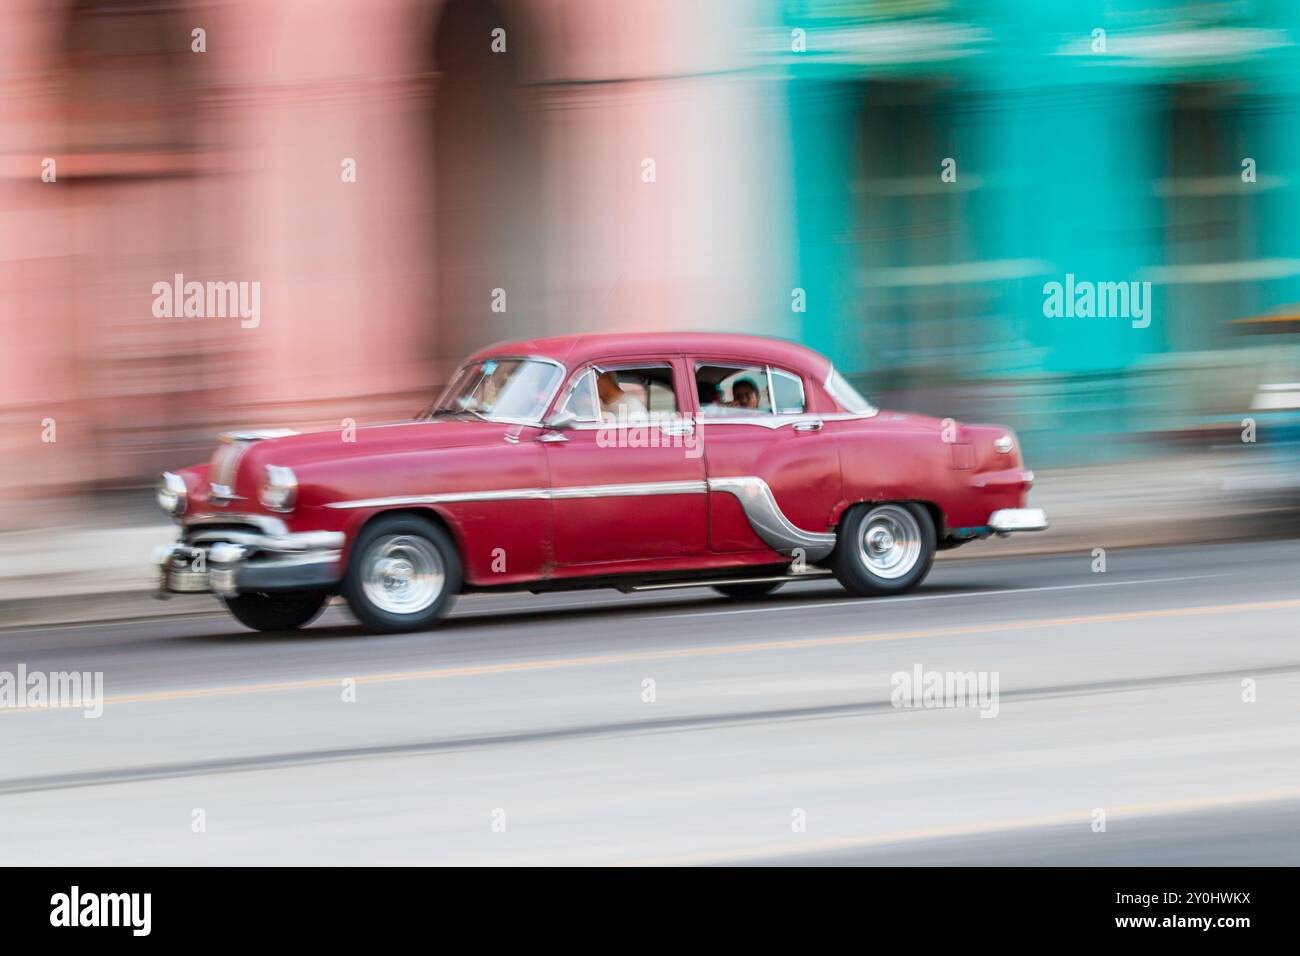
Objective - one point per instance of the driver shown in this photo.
(617, 404)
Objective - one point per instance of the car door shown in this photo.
(627, 476)
(758, 429)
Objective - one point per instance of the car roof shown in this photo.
(576, 350)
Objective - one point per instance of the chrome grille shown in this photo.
(204, 536)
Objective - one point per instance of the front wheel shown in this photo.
(884, 549)
(403, 574)
(276, 610)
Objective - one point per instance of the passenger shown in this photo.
(744, 394)
(710, 397)
(616, 404)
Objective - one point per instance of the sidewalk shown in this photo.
(68, 574)
(71, 574)
(1183, 500)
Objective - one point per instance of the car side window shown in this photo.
(581, 399)
(740, 390)
(787, 393)
(632, 393)
(732, 390)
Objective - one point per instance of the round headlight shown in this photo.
(280, 490)
(1004, 444)
(171, 494)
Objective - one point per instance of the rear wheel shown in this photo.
(403, 574)
(884, 549)
(276, 610)
(747, 591)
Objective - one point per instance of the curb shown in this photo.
(67, 609)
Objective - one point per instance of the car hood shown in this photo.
(298, 449)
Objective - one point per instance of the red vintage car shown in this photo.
(631, 461)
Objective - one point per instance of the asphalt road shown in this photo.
(522, 731)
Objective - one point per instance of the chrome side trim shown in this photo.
(510, 494)
(664, 421)
(765, 516)
(633, 490)
(506, 494)
(780, 421)
(678, 423)
(771, 525)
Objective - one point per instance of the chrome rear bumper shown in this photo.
(1018, 519)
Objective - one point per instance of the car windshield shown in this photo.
(508, 390)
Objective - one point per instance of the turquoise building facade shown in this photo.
(951, 157)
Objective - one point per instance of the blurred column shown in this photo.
(314, 91)
(105, 166)
(37, 371)
(1271, 127)
(1075, 144)
(667, 196)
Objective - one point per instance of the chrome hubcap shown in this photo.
(891, 542)
(880, 541)
(402, 574)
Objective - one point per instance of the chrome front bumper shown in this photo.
(1018, 519)
(228, 561)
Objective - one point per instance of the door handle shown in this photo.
(677, 428)
(815, 425)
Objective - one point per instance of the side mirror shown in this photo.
(561, 421)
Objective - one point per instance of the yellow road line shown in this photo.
(714, 650)
(796, 847)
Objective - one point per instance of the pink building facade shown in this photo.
(401, 180)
